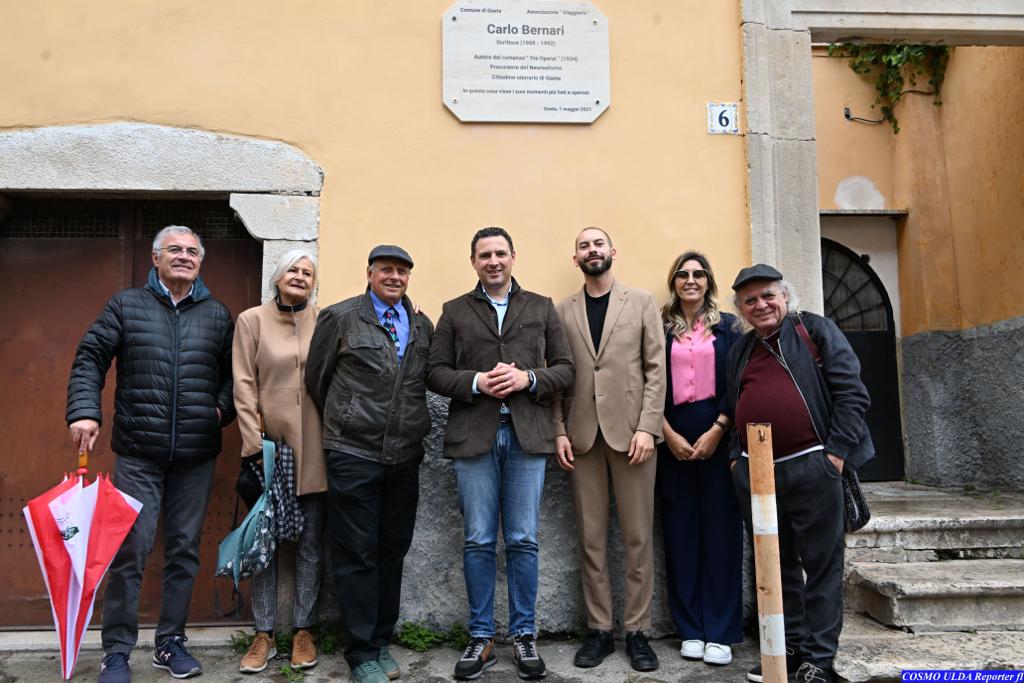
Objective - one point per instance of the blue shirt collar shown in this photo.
(168, 292)
(380, 306)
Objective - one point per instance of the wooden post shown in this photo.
(764, 516)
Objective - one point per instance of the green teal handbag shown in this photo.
(248, 549)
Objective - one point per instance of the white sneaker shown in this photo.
(717, 654)
(692, 649)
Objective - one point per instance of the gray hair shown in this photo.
(792, 304)
(289, 259)
(158, 241)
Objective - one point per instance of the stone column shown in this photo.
(781, 163)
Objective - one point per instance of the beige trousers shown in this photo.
(634, 500)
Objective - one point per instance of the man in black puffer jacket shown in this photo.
(172, 342)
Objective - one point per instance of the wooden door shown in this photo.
(60, 260)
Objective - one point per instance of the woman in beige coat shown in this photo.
(269, 358)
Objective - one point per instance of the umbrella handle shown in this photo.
(83, 463)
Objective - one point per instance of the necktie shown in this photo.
(389, 324)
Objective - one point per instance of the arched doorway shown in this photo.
(856, 300)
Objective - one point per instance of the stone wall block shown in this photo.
(762, 196)
(129, 157)
(797, 233)
(757, 85)
(778, 96)
(278, 217)
(770, 13)
(962, 406)
(791, 81)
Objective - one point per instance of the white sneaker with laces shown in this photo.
(692, 649)
(717, 654)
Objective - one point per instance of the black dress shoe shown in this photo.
(596, 646)
(641, 656)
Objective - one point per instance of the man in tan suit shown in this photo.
(607, 429)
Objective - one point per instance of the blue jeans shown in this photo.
(509, 481)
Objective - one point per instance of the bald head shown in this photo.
(584, 231)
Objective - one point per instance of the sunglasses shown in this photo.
(699, 274)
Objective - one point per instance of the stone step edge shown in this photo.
(861, 576)
(889, 524)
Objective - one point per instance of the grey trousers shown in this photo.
(180, 491)
(307, 573)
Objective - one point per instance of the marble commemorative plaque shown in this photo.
(539, 61)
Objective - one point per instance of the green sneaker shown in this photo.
(369, 672)
(388, 664)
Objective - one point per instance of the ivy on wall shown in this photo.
(894, 67)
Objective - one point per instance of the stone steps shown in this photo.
(920, 523)
(870, 652)
(954, 595)
(934, 581)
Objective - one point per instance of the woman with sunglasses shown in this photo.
(700, 518)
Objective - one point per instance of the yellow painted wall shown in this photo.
(958, 169)
(357, 85)
(982, 120)
(847, 148)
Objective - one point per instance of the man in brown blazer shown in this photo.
(501, 355)
(607, 429)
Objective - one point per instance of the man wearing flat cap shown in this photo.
(366, 373)
(798, 372)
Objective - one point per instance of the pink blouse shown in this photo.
(693, 366)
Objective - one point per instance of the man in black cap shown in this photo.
(798, 372)
(366, 373)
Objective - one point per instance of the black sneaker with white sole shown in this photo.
(528, 660)
(476, 658)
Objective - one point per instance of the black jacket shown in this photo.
(835, 396)
(371, 405)
(173, 373)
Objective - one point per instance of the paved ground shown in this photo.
(433, 666)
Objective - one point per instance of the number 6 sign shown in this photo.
(722, 119)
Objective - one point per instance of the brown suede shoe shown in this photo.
(303, 650)
(260, 652)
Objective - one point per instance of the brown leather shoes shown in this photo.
(303, 650)
(260, 652)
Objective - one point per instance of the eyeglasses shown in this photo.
(699, 274)
(175, 250)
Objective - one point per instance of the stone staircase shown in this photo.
(934, 581)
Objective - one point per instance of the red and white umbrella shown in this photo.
(76, 530)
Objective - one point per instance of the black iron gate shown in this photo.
(858, 303)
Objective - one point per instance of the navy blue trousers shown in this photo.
(703, 534)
